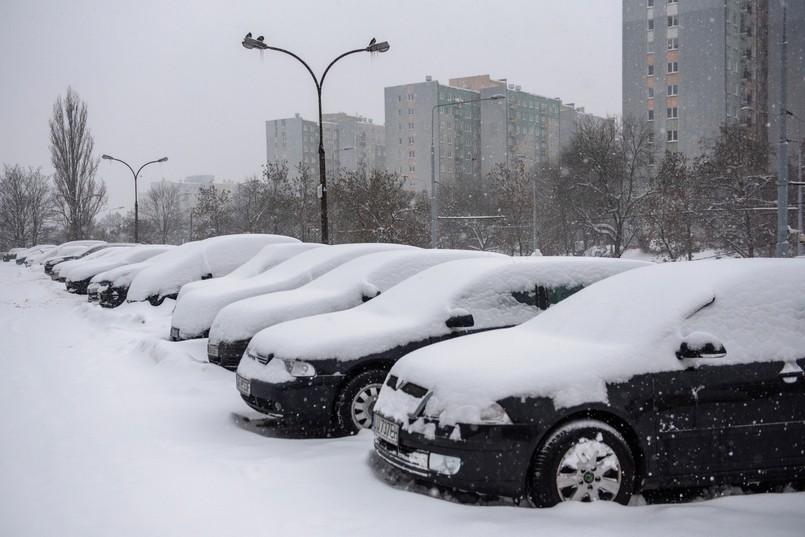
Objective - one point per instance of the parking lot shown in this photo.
(109, 428)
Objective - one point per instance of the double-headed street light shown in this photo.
(259, 44)
(135, 174)
(434, 198)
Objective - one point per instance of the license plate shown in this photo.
(212, 349)
(244, 385)
(386, 430)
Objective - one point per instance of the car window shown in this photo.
(543, 297)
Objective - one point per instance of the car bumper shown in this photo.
(306, 401)
(78, 287)
(494, 460)
(112, 297)
(227, 353)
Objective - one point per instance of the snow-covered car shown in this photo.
(266, 259)
(192, 317)
(61, 270)
(325, 371)
(32, 251)
(109, 288)
(64, 250)
(79, 278)
(12, 254)
(68, 254)
(197, 260)
(675, 375)
(232, 326)
(344, 287)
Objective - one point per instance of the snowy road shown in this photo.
(107, 428)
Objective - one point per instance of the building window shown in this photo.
(672, 112)
(651, 115)
(410, 96)
(412, 154)
(651, 92)
(651, 137)
(671, 2)
(673, 89)
(410, 125)
(650, 69)
(673, 43)
(673, 67)
(671, 136)
(650, 3)
(672, 21)
(651, 24)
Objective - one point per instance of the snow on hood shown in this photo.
(352, 283)
(418, 307)
(626, 325)
(117, 258)
(192, 261)
(239, 318)
(123, 276)
(267, 258)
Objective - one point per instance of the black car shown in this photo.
(683, 374)
(325, 371)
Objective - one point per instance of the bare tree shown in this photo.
(515, 189)
(25, 203)
(734, 178)
(249, 206)
(608, 162)
(162, 210)
(674, 210)
(213, 212)
(78, 196)
(374, 206)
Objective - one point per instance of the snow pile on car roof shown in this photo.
(237, 320)
(418, 307)
(269, 257)
(349, 285)
(216, 256)
(626, 325)
(117, 258)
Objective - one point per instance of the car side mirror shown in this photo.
(460, 321)
(701, 345)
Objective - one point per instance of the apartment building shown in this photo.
(690, 66)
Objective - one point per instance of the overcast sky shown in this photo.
(170, 77)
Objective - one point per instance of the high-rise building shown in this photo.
(350, 142)
(469, 136)
(690, 66)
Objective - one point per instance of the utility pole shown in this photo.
(782, 156)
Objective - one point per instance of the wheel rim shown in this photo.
(588, 471)
(362, 406)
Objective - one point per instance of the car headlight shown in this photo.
(444, 464)
(495, 414)
(299, 369)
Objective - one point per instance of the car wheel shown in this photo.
(357, 401)
(584, 460)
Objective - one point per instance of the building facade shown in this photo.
(690, 66)
(469, 136)
(350, 142)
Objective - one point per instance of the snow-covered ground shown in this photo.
(109, 429)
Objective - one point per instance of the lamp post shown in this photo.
(434, 198)
(259, 44)
(136, 175)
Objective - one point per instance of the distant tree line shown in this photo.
(607, 192)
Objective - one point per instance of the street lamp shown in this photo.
(434, 199)
(259, 44)
(136, 174)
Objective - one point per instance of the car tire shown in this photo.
(357, 400)
(584, 460)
